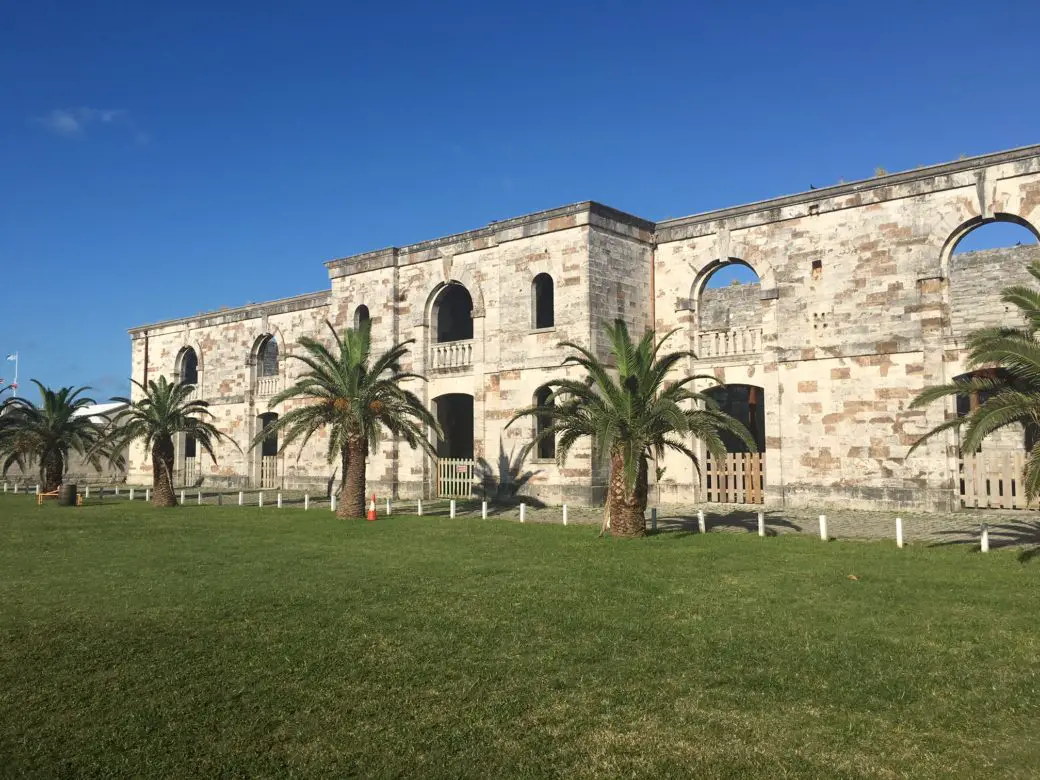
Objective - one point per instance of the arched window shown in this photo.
(547, 446)
(542, 304)
(189, 367)
(453, 314)
(361, 316)
(267, 358)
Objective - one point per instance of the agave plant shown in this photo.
(1006, 381)
(631, 412)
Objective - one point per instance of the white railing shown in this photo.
(452, 354)
(193, 395)
(454, 478)
(721, 343)
(267, 385)
(269, 471)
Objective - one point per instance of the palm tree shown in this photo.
(1006, 382)
(163, 412)
(354, 398)
(630, 413)
(47, 433)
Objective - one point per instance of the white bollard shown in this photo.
(333, 502)
(199, 499)
(86, 492)
(702, 526)
(182, 495)
(483, 510)
(761, 523)
(306, 501)
(823, 527)
(984, 541)
(241, 497)
(38, 488)
(451, 509)
(279, 499)
(388, 507)
(419, 502)
(899, 533)
(653, 519)
(5, 487)
(523, 511)
(565, 514)
(117, 489)
(260, 499)
(147, 493)
(131, 494)
(16, 488)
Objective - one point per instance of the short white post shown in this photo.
(5, 487)
(388, 507)
(306, 501)
(823, 527)
(16, 488)
(38, 488)
(761, 523)
(182, 496)
(131, 494)
(199, 501)
(86, 491)
(419, 506)
(702, 526)
(147, 493)
(333, 502)
(984, 541)
(241, 497)
(653, 519)
(451, 509)
(117, 489)
(899, 533)
(565, 514)
(523, 511)
(260, 499)
(279, 499)
(483, 510)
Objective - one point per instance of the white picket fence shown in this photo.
(455, 477)
(269, 471)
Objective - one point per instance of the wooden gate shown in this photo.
(191, 472)
(739, 479)
(269, 471)
(454, 478)
(993, 480)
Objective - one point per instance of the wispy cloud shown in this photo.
(70, 122)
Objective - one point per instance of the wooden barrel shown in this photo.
(67, 495)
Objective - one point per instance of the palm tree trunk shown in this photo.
(162, 473)
(627, 510)
(52, 470)
(352, 492)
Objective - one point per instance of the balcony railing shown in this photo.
(723, 343)
(452, 354)
(268, 385)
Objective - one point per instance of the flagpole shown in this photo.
(15, 391)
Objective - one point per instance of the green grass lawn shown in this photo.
(237, 642)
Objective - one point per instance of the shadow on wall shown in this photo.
(501, 485)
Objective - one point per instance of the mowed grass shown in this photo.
(237, 642)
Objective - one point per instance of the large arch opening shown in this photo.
(741, 478)
(452, 314)
(729, 310)
(454, 412)
(267, 357)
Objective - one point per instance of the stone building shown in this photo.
(860, 303)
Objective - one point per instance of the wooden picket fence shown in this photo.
(455, 478)
(993, 480)
(739, 479)
(191, 471)
(269, 471)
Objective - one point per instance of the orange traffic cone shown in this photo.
(372, 508)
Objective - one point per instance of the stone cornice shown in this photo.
(247, 312)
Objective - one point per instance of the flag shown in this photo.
(13, 356)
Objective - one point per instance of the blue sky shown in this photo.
(164, 158)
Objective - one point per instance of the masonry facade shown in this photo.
(860, 304)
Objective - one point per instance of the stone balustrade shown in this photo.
(451, 354)
(723, 343)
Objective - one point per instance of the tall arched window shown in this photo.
(542, 303)
(189, 368)
(267, 358)
(546, 446)
(361, 316)
(453, 314)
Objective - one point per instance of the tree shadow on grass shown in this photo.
(1015, 533)
(733, 520)
(500, 485)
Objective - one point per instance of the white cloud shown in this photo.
(70, 122)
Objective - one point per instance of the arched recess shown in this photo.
(728, 320)
(361, 316)
(188, 366)
(266, 359)
(962, 230)
(451, 313)
(543, 304)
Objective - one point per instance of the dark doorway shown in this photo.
(455, 415)
(746, 404)
(454, 314)
(544, 306)
(269, 446)
(546, 446)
